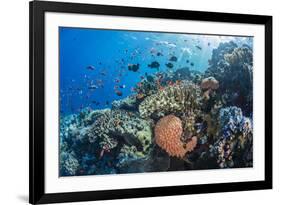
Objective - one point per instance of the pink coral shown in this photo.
(168, 132)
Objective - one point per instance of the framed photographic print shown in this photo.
(140, 102)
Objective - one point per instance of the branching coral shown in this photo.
(168, 132)
(118, 125)
(174, 98)
(68, 164)
(129, 103)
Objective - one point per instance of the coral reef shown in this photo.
(233, 148)
(68, 164)
(209, 84)
(178, 119)
(129, 103)
(232, 66)
(168, 132)
(112, 132)
(174, 98)
(118, 125)
(232, 121)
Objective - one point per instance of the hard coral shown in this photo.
(119, 125)
(173, 98)
(168, 132)
(209, 83)
(232, 66)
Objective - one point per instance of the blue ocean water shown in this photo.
(94, 62)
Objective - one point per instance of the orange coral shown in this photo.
(209, 83)
(168, 132)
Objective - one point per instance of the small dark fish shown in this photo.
(187, 61)
(133, 67)
(117, 80)
(90, 67)
(122, 86)
(209, 43)
(107, 103)
(173, 58)
(118, 92)
(103, 73)
(192, 64)
(169, 65)
(159, 54)
(154, 64)
(200, 48)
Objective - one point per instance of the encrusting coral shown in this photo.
(173, 98)
(168, 132)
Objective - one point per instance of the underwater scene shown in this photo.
(139, 101)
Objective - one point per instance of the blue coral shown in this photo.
(232, 122)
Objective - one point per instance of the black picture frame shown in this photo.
(37, 10)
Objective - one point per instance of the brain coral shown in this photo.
(174, 98)
(168, 132)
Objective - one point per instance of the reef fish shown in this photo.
(159, 54)
(173, 58)
(133, 67)
(154, 64)
(169, 65)
(103, 73)
(200, 48)
(90, 67)
(118, 92)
